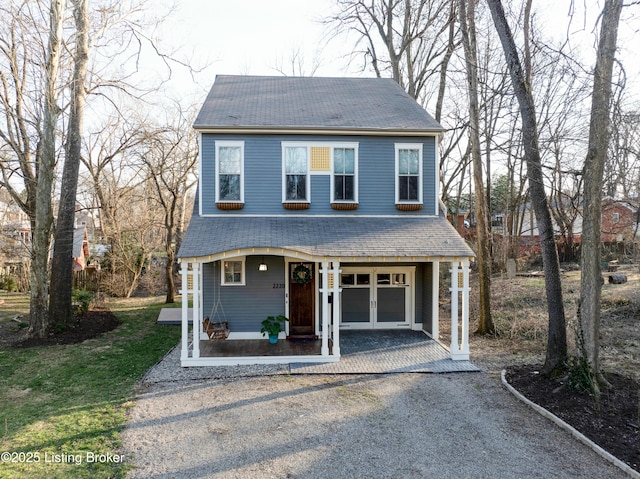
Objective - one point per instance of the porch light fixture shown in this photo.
(263, 265)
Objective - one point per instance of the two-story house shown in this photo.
(318, 199)
(618, 222)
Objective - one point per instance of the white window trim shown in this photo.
(243, 281)
(294, 144)
(353, 146)
(226, 143)
(409, 146)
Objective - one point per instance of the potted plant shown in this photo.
(272, 326)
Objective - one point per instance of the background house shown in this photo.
(80, 248)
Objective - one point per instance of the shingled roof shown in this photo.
(359, 237)
(304, 103)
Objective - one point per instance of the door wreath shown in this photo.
(301, 274)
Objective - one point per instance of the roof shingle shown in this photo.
(325, 236)
(258, 102)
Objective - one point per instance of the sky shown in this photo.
(259, 37)
(255, 37)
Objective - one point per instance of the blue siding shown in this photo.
(207, 162)
(246, 306)
(263, 175)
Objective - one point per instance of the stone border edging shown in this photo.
(574, 432)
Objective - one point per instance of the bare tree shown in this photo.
(170, 156)
(622, 169)
(467, 22)
(134, 238)
(599, 135)
(60, 308)
(521, 80)
(39, 306)
(295, 64)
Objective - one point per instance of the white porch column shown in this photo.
(435, 300)
(185, 310)
(464, 346)
(460, 291)
(336, 290)
(325, 308)
(197, 320)
(454, 307)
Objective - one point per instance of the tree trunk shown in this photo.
(170, 273)
(599, 135)
(62, 265)
(39, 302)
(467, 22)
(556, 354)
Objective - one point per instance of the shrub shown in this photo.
(9, 283)
(83, 300)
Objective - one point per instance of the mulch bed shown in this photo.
(616, 428)
(88, 326)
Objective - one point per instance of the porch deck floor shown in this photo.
(387, 351)
(258, 347)
(362, 352)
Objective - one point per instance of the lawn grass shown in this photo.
(61, 404)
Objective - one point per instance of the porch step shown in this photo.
(173, 316)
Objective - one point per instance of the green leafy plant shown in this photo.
(580, 378)
(9, 283)
(273, 325)
(83, 300)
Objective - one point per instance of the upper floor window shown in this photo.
(344, 184)
(229, 171)
(616, 217)
(296, 173)
(301, 161)
(408, 172)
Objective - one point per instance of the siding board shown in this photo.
(263, 175)
(246, 306)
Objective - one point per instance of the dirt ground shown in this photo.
(520, 317)
(13, 330)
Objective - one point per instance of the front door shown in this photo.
(376, 298)
(301, 299)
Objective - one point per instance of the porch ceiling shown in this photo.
(347, 237)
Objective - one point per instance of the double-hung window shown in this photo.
(233, 272)
(303, 161)
(296, 173)
(408, 173)
(229, 171)
(344, 183)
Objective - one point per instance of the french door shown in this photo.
(376, 298)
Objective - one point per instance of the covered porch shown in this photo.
(373, 274)
(362, 352)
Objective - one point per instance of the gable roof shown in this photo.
(312, 103)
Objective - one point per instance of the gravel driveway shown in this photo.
(251, 425)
